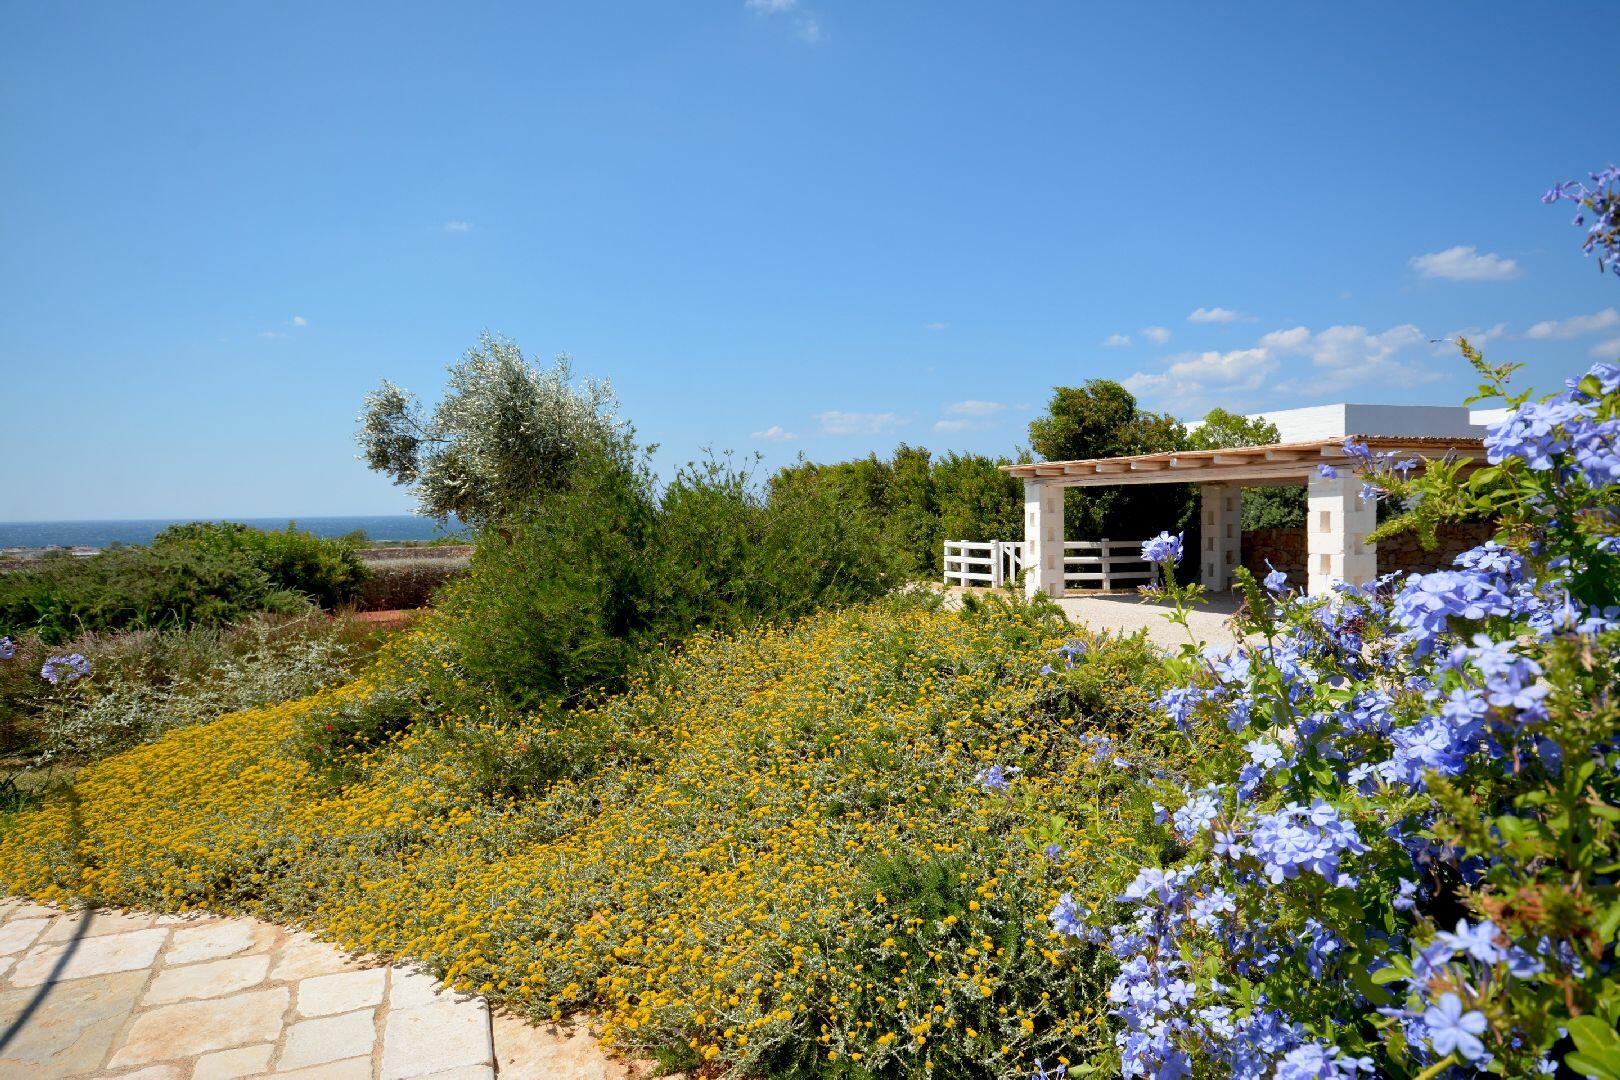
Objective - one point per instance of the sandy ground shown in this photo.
(1127, 612)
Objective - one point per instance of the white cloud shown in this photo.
(858, 423)
(457, 226)
(975, 408)
(808, 29)
(1115, 340)
(774, 433)
(1477, 336)
(806, 24)
(1156, 334)
(1465, 263)
(1338, 356)
(299, 320)
(269, 335)
(935, 325)
(1218, 315)
(1607, 350)
(771, 7)
(952, 425)
(1575, 325)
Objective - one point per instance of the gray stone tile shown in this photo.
(92, 956)
(440, 1037)
(170, 1032)
(345, 991)
(327, 1039)
(17, 934)
(213, 941)
(73, 1027)
(209, 979)
(230, 1064)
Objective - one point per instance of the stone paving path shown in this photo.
(141, 997)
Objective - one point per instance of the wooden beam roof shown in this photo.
(1277, 464)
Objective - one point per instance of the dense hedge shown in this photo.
(195, 574)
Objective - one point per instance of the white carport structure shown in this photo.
(1338, 520)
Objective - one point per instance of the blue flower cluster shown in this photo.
(1304, 905)
(1601, 202)
(59, 669)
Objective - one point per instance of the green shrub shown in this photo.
(564, 600)
(143, 683)
(403, 584)
(198, 574)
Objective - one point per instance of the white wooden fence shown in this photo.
(1105, 564)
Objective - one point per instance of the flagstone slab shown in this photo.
(91, 956)
(436, 1038)
(17, 934)
(209, 979)
(327, 1039)
(94, 924)
(71, 1028)
(344, 991)
(169, 1032)
(214, 941)
(231, 1064)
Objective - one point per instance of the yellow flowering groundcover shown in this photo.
(775, 854)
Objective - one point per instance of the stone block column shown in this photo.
(1220, 517)
(1337, 521)
(1043, 538)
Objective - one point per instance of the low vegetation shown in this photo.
(191, 575)
(787, 850)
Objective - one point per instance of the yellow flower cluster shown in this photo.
(778, 856)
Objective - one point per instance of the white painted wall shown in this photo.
(1408, 421)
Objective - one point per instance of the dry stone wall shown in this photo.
(1286, 549)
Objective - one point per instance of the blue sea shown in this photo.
(100, 534)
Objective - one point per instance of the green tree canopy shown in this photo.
(506, 432)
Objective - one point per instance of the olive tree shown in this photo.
(505, 432)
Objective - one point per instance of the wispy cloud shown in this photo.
(1114, 341)
(774, 433)
(952, 425)
(1218, 315)
(1607, 350)
(1338, 356)
(974, 408)
(858, 423)
(935, 325)
(1156, 334)
(806, 24)
(457, 226)
(1576, 325)
(299, 320)
(1465, 263)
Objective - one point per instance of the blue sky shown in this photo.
(852, 224)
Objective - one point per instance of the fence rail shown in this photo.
(1104, 564)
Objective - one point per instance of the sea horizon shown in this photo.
(101, 533)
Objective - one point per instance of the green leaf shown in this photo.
(1589, 1067)
(1593, 1036)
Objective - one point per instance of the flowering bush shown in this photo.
(1401, 860)
(1601, 202)
(772, 857)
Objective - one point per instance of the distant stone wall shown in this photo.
(1286, 549)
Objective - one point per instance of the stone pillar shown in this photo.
(1337, 521)
(1220, 517)
(1043, 538)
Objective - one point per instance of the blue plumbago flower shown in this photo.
(1327, 472)
(1276, 581)
(1600, 201)
(1477, 941)
(1053, 851)
(1163, 549)
(8, 648)
(64, 668)
(1452, 1029)
(1069, 917)
(1041, 1073)
(995, 777)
